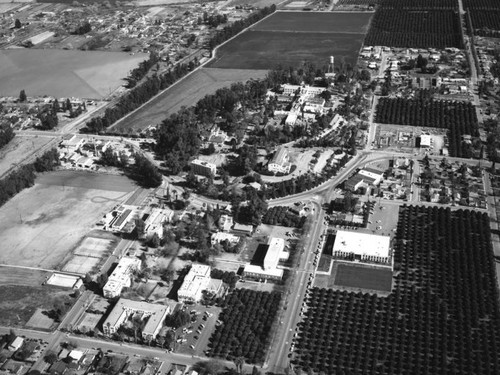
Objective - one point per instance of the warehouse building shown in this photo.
(362, 247)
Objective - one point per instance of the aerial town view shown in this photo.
(266, 187)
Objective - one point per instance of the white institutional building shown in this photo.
(362, 247)
(154, 313)
(121, 277)
(195, 282)
(268, 270)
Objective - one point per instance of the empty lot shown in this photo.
(41, 225)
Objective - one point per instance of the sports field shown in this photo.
(40, 226)
(361, 277)
(292, 38)
(64, 73)
(186, 93)
(22, 276)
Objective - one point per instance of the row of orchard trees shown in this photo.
(401, 28)
(458, 117)
(442, 316)
(247, 318)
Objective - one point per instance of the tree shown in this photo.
(22, 96)
(154, 241)
(50, 357)
(17, 24)
(239, 362)
(69, 106)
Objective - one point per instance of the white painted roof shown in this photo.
(362, 243)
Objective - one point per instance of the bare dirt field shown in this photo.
(186, 93)
(64, 73)
(19, 149)
(42, 224)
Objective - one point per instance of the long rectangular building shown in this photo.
(362, 247)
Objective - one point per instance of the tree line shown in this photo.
(139, 95)
(231, 30)
(6, 134)
(24, 176)
(141, 170)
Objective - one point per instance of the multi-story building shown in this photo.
(121, 277)
(155, 315)
(195, 282)
(203, 168)
(265, 261)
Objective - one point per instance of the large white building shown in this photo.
(195, 282)
(362, 247)
(268, 269)
(280, 163)
(155, 314)
(121, 277)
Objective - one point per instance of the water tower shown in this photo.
(331, 65)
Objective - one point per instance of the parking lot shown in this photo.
(193, 339)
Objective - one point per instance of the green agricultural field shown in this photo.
(292, 38)
(299, 22)
(64, 73)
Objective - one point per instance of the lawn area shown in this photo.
(64, 73)
(362, 277)
(291, 38)
(41, 225)
(186, 93)
(19, 303)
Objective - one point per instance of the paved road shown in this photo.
(279, 356)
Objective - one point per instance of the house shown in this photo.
(242, 229)
(226, 223)
(203, 168)
(219, 237)
(280, 161)
(16, 344)
(73, 144)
